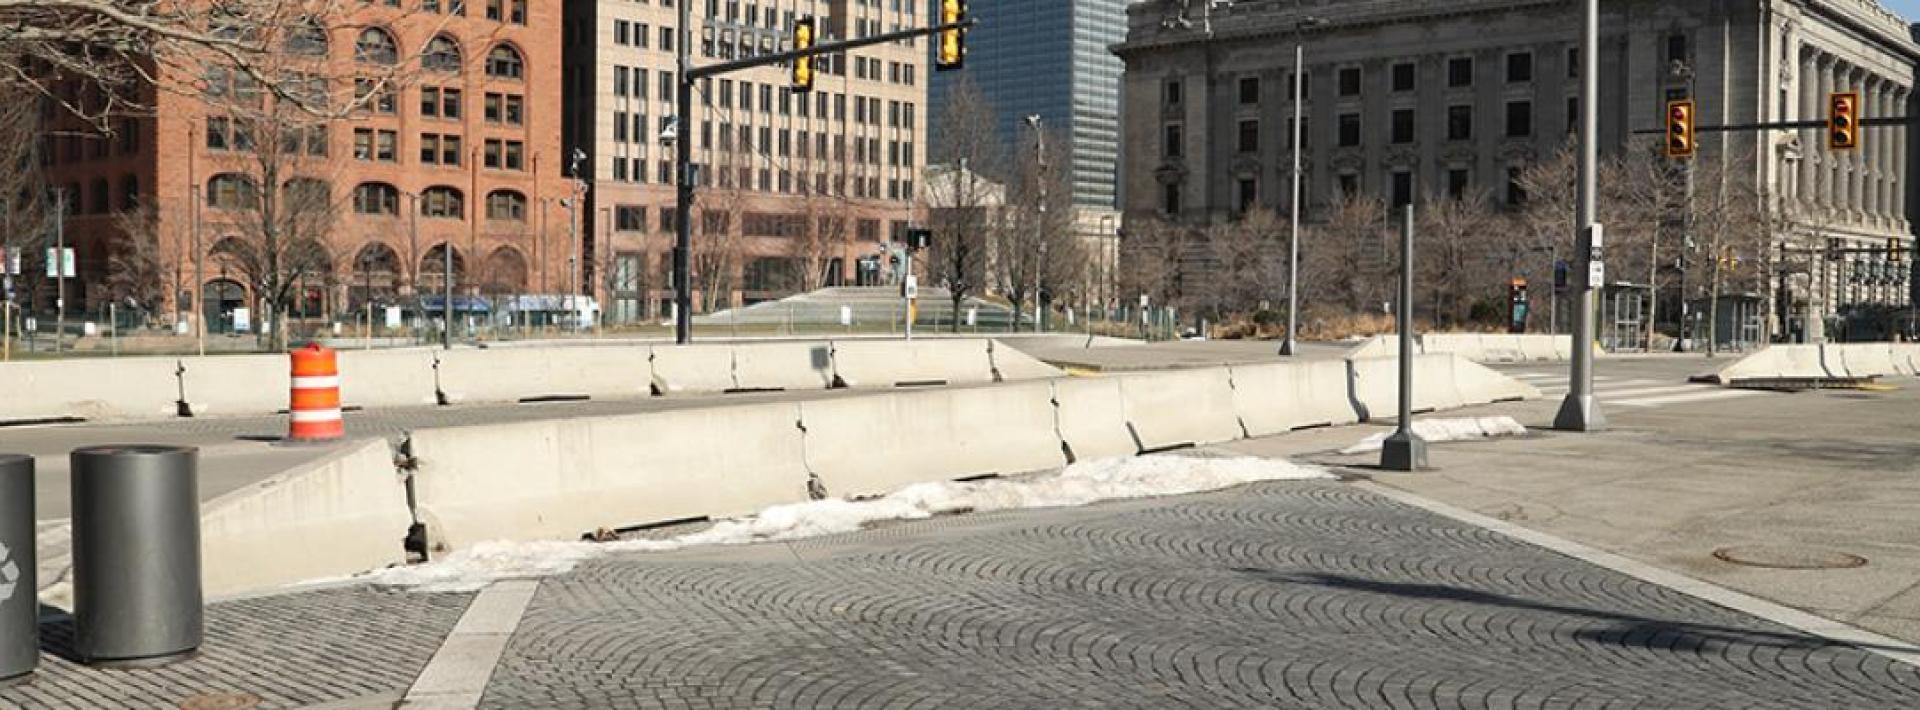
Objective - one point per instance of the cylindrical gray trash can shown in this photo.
(19, 599)
(136, 554)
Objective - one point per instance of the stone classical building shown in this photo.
(798, 186)
(1403, 98)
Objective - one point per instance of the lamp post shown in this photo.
(573, 236)
(1291, 345)
(1581, 410)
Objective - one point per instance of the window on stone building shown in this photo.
(1170, 145)
(1460, 122)
(1520, 67)
(1573, 62)
(1516, 190)
(1677, 48)
(1460, 72)
(1349, 130)
(1402, 126)
(1519, 119)
(1249, 90)
(376, 198)
(629, 218)
(1349, 184)
(442, 202)
(1402, 188)
(1248, 195)
(1249, 136)
(1457, 181)
(1403, 74)
(1170, 199)
(1350, 81)
(1573, 114)
(507, 205)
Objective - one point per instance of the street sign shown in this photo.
(1596, 273)
(911, 287)
(9, 261)
(55, 266)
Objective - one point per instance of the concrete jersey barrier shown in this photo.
(237, 384)
(801, 366)
(692, 369)
(560, 479)
(389, 378)
(865, 364)
(1091, 418)
(120, 388)
(1011, 365)
(1781, 361)
(1281, 397)
(874, 444)
(1173, 408)
(1440, 381)
(517, 374)
(343, 514)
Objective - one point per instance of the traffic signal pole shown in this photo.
(683, 153)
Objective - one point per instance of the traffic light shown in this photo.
(1681, 143)
(803, 66)
(1843, 121)
(950, 48)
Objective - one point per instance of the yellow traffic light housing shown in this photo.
(950, 46)
(1843, 120)
(1681, 141)
(802, 66)
(1895, 249)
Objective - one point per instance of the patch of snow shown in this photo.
(1089, 482)
(1438, 430)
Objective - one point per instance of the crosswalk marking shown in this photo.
(1679, 398)
(1632, 392)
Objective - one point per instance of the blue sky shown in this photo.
(1910, 8)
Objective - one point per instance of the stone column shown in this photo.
(1900, 178)
(1870, 144)
(1829, 183)
(1809, 107)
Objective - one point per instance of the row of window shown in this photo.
(1400, 189)
(376, 45)
(73, 147)
(500, 108)
(237, 191)
(508, 11)
(1402, 76)
(98, 197)
(1401, 128)
(784, 182)
(382, 145)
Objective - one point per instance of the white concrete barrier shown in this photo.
(1467, 345)
(1281, 397)
(1091, 416)
(891, 363)
(342, 514)
(1380, 346)
(388, 378)
(1479, 384)
(1866, 359)
(1503, 348)
(119, 388)
(515, 374)
(1010, 365)
(1174, 408)
(693, 369)
(560, 479)
(1376, 385)
(798, 366)
(873, 444)
(1906, 358)
(1775, 361)
(228, 385)
(1541, 348)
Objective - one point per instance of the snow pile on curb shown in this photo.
(1082, 483)
(1438, 430)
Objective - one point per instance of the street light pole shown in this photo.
(1040, 218)
(1291, 345)
(1581, 411)
(684, 175)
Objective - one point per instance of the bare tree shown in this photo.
(1037, 246)
(1246, 265)
(1463, 247)
(816, 237)
(1150, 264)
(718, 248)
(148, 259)
(1346, 260)
(27, 210)
(965, 201)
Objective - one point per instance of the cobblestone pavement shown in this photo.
(292, 650)
(1274, 595)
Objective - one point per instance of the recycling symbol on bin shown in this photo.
(9, 573)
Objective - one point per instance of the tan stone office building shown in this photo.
(798, 189)
(1403, 98)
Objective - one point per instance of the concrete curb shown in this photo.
(457, 675)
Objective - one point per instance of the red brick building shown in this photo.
(457, 147)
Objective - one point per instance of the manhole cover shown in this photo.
(221, 701)
(1788, 557)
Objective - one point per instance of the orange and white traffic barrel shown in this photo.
(314, 407)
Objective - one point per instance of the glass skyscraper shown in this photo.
(1049, 58)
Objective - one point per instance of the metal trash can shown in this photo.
(19, 598)
(136, 554)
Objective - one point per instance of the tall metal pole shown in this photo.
(60, 268)
(1040, 217)
(1580, 411)
(1290, 346)
(446, 296)
(683, 172)
(1405, 450)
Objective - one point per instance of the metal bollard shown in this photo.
(136, 554)
(19, 598)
